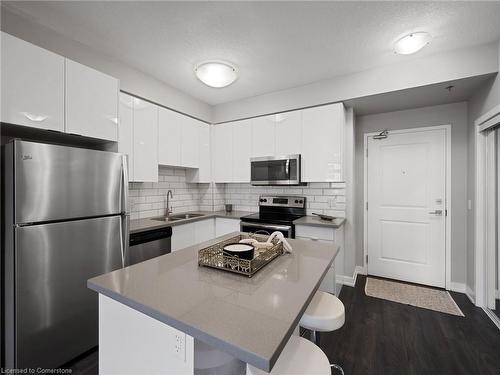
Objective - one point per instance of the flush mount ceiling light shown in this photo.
(216, 73)
(412, 43)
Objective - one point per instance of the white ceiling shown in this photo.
(418, 97)
(276, 45)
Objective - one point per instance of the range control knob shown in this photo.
(265, 200)
(261, 200)
(296, 201)
(301, 201)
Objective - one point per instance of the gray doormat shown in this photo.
(408, 294)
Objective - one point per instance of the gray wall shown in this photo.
(451, 114)
(487, 97)
(446, 66)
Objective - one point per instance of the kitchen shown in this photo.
(142, 157)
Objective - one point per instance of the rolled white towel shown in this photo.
(281, 238)
(256, 244)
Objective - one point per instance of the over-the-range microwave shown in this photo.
(275, 170)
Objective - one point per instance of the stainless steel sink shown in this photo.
(185, 216)
(164, 218)
(177, 217)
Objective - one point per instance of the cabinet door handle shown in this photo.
(436, 212)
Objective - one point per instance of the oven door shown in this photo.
(275, 170)
(263, 228)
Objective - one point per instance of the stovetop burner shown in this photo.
(276, 213)
(271, 218)
(278, 210)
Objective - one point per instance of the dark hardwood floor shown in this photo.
(497, 308)
(86, 364)
(382, 337)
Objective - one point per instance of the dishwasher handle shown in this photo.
(150, 235)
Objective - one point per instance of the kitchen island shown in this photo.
(153, 314)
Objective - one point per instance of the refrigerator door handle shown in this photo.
(125, 240)
(125, 207)
(125, 216)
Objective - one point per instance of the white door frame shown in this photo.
(485, 228)
(447, 128)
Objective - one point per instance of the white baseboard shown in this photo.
(351, 280)
(457, 287)
(495, 319)
(470, 294)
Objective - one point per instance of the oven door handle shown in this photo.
(266, 226)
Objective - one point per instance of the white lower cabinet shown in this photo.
(333, 236)
(183, 236)
(190, 234)
(225, 226)
(204, 230)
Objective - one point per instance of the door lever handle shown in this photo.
(436, 212)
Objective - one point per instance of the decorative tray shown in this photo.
(214, 257)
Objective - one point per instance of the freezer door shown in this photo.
(56, 314)
(57, 182)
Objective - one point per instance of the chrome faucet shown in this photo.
(168, 210)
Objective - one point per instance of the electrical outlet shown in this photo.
(179, 345)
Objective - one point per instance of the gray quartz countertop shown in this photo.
(249, 318)
(315, 221)
(141, 225)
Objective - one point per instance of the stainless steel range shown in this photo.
(276, 213)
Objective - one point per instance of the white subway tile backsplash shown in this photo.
(148, 199)
(321, 197)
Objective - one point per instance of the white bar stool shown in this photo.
(299, 357)
(325, 313)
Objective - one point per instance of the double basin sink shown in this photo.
(177, 217)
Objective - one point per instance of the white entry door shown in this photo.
(406, 210)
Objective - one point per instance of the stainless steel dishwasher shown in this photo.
(149, 244)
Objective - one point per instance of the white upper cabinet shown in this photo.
(263, 136)
(32, 85)
(322, 143)
(203, 173)
(222, 152)
(91, 102)
(288, 131)
(189, 142)
(126, 131)
(145, 141)
(169, 137)
(205, 160)
(242, 144)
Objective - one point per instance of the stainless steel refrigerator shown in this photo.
(65, 220)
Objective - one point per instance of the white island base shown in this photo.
(131, 342)
(149, 322)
